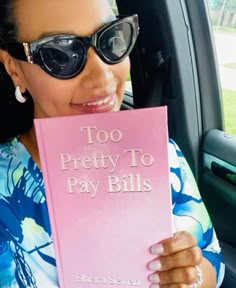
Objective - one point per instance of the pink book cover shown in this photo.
(107, 187)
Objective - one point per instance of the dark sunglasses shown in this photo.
(64, 56)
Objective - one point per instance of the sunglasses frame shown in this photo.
(30, 51)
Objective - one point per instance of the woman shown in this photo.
(50, 75)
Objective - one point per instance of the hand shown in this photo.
(175, 263)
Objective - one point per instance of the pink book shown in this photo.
(108, 194)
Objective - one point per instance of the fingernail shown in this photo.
(157, 249)
(155, 265)
(154, 278)
(155, 286)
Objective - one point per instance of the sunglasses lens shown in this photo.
(63, 57)
(115, 42)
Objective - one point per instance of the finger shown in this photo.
(180, 241)
(187, 276)
(188, 257)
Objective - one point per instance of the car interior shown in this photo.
(174, 64)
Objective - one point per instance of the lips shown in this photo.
(103, 104)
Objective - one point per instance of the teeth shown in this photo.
(100, 102)
(112, 102)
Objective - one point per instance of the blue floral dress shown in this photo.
(26, 247)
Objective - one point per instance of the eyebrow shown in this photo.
(101, 23)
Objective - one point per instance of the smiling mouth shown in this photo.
(104, 101)
(104, 104)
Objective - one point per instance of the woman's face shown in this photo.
(98, 88)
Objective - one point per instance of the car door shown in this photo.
(175, 63)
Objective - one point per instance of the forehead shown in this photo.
(81, 17)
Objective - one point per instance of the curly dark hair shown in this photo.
(15, 118)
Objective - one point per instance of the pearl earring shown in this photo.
(19, 97)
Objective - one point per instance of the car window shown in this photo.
(114, 6)
(223, 17)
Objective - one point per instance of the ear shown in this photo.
(12, 68)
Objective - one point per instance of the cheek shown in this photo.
(40, 85)
(122, 72)
(34, 79)
(49, 94)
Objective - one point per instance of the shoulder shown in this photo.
(175, 158)
(11, 164)
(177, 161)
(174, 152)
(7, 150)
(183, 183)
(176, 180)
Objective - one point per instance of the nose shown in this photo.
(96, 73)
